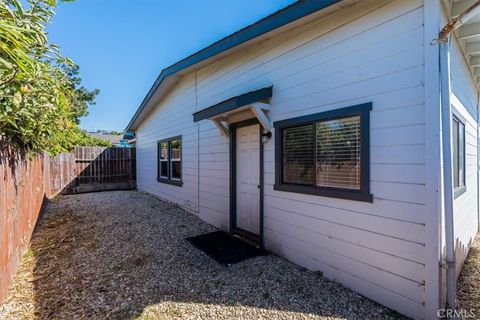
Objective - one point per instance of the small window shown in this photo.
(458, 143)
(170, 161)
(325, 154)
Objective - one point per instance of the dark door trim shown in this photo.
(233, 182)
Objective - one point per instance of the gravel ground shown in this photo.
(469, 281)
(123, 255)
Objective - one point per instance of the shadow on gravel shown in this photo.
(123, 255)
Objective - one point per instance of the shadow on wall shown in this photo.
(461, 252)
(124, 255)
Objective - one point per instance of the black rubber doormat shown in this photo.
(224, 248)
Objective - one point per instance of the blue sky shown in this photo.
(121, 46)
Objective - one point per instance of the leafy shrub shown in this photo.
(41, 98)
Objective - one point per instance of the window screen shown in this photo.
(461, 154)
(335, 145)
(298, 155)
(163, 159)
(338, 153)
(176, 160)
(327, 153)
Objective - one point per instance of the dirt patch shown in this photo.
(123, 255)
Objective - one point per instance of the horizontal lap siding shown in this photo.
(367, 53)
(372, 52)
(214, 176)
(172, 119)
(464, 100)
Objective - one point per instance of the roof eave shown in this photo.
(262, 27)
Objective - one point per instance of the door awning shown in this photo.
(255, 103)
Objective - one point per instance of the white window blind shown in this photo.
(332, 151)
(338, 153)
(298, 162)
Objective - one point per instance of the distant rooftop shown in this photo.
(113, 138)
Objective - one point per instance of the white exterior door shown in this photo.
(248, 178)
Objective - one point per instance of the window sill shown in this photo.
(172, 182)
(332, 193)
(459, 191)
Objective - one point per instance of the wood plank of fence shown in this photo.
(62, 172)
(23, 188)
(101, 168)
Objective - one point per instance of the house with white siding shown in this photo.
(341, 135)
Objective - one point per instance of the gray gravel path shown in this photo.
(469, 282)
(123, 255)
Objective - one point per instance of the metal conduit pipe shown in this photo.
(446, 116)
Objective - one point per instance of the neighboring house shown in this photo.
(117, 140)
(317, 132)
(129, 139)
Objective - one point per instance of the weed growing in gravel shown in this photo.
(28, 254)
(172, 311)
(144, 317)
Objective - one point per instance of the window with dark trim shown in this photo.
(169, 166)
(325, 154)
(458, 144)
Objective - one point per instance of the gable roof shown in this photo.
(274, 21)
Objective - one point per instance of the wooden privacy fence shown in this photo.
(25, 184)
(100, 168)
(61, 172)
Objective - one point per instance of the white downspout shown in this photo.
(447, 171)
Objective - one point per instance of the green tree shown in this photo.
(41, 98)
(83, 98)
